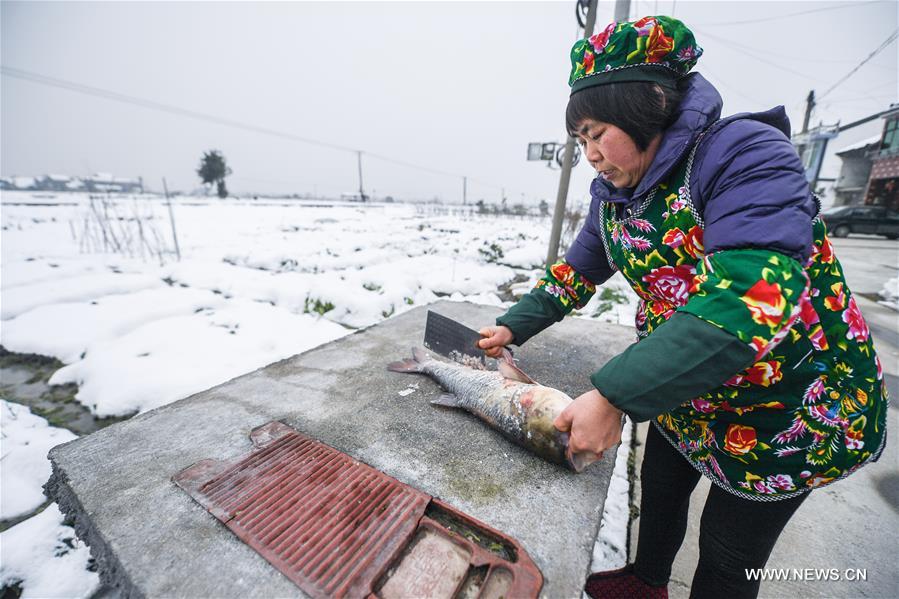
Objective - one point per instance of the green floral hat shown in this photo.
(659, 49)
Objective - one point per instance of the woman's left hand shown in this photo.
(593, 424)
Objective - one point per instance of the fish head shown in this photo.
(543, 406)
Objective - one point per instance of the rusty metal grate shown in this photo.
(339, 528)
(326, 521)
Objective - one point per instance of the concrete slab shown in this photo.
(151, 539)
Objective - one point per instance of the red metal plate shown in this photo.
(337, 527)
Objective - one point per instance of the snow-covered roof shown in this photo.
(23, 182)
(61, 178)
(859, 144)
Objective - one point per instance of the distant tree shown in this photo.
(544, 208)
(519, 210)
(482, 208)
(214, 170)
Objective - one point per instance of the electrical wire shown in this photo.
(863, 99)
(750, 52)
(780, 17)
(730, 87)
(153, 105)
(892, 37)
(111, 95)
(780, 55)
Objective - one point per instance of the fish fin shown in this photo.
(413, 364)
(511, 371)
(446, 399)
(408, 365)
(579, 461)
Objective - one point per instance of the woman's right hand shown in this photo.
(495, 339)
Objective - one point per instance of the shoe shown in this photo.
(622, 584)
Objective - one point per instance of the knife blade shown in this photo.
(450, 338)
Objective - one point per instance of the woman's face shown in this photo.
(614, 154)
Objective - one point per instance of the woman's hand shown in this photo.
(495, 339)
(592, 423)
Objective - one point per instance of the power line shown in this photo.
(111, 95)
(780, 55)
(748, 51)
(410, 165)
(863, 99)
(153, 105)
(892, 37)
(780, 17)
(732, 88)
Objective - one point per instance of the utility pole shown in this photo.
(809, 106)
(464, 190)
(802, 138)
(568, 154)
(361, 189)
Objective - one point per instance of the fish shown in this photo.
(508, 400)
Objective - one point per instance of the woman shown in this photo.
(753, 361)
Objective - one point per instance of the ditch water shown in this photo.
(23, 380)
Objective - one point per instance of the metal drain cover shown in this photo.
(337, 527)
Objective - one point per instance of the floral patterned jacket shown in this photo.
(756, 363)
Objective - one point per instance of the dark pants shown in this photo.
(735, 534)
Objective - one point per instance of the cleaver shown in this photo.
(450, 338)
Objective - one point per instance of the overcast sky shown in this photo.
(459, 88)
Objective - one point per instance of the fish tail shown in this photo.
(420, 354)
(414, 364)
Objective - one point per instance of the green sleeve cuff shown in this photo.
(684, 358)
(559, 292)
(534, 312)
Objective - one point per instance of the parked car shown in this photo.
(873, 220)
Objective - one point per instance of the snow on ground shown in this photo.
(610, 550)
(98, 319)
(310, 271)
(26, 440)
(40, 554)
(196, 351)
(46, 559)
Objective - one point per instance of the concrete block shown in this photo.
(151, 539)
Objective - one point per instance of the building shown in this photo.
(854, 171)
(105, 182)
(54, 182)
(101, 182)
(811, 146)
(883, 182)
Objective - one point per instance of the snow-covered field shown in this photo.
(96, 284)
